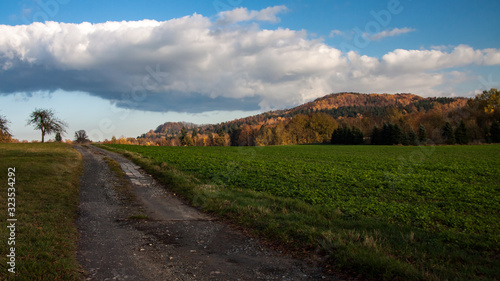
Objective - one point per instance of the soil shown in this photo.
(152, 235)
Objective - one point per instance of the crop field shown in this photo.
(427, 213)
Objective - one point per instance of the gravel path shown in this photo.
(175, 242)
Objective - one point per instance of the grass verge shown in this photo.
(122, 186)
(368, 245)
(47, 181)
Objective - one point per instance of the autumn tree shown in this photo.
(485, 108)
(488, 101)
(297, 130)
(185, 139)
(322, 126)
(280, 135)
(221, 138)
(5, 135)
(246, 136)
(183, 134)
(45, 121)
(194, 136)
(211, 139)
(264, 136)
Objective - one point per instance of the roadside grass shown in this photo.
(370, 245)
(123, 185)
(138, 217)
(47, 182)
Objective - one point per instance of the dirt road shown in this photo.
(157, 237)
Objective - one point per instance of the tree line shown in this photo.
(432, 120)
(399, 120)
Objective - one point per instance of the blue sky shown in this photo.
(124, 67)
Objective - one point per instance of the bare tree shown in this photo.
(5, 134)
(81, 137)
(45, 121)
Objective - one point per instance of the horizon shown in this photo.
(200, 125)
(125, 69)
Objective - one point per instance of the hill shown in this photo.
(337, 105)
(315, 121)
(173, 128)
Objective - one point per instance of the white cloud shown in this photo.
(336, 32)
(391, 33)
(193, 64)
(491, 57)
(242, 14)
(431, 60)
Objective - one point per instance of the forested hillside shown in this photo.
(348, 118)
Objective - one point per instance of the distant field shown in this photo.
(46, 198)
(414, 212)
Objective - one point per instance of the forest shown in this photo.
(347, 118)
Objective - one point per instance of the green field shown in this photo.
(46, 204)
(422, 213)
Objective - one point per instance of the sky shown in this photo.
(116, 68)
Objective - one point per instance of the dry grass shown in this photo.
(47, 181)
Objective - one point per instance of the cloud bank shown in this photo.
(196, 64)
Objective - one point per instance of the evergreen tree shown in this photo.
(358, 136)
(234, 136)
(391, 134)
(396, 134)
(341, 135)
(448, 134)
(385, 136)
(376, 136)
(461, 134)
(422, 134)
(58, 137)
(346, 135)
(412, 138)
(405, 139)
(495, 132)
